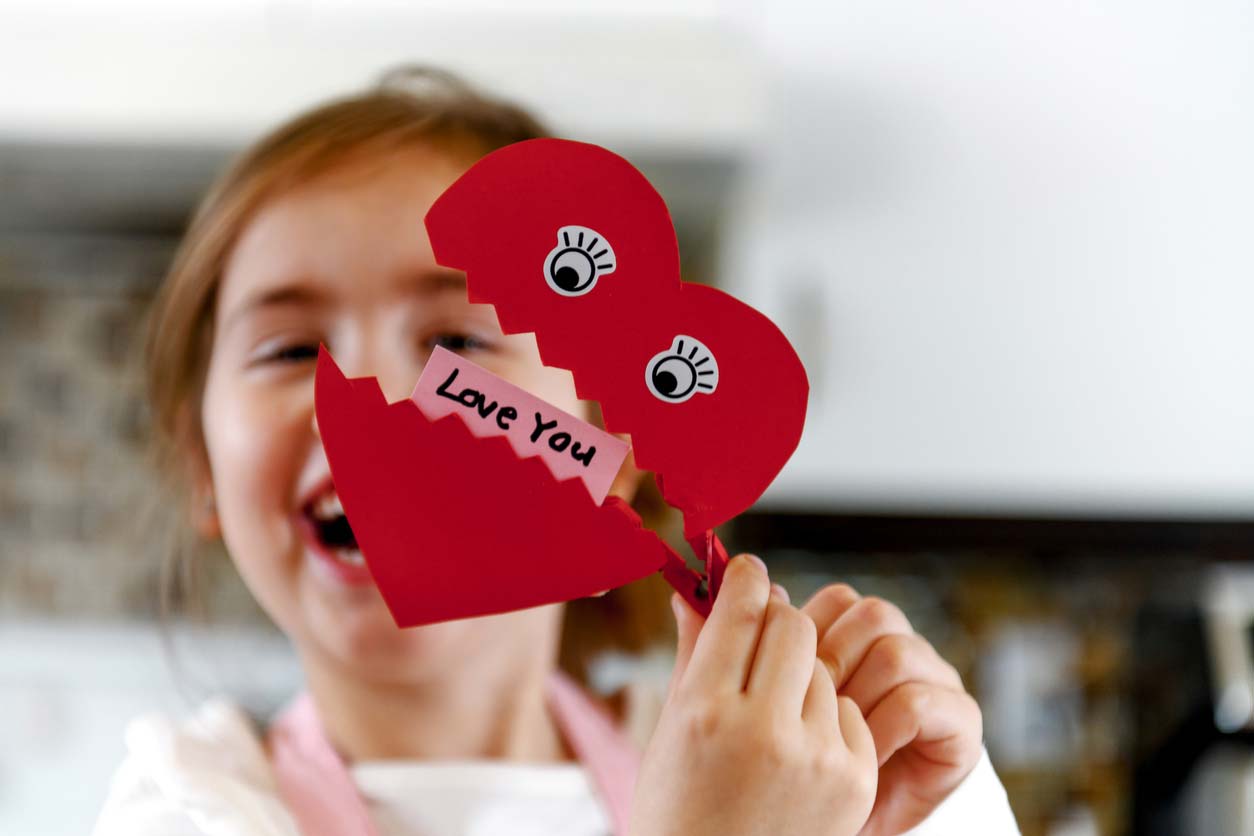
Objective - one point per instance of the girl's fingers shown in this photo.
(723, 653)
(821, 709)
(848, 640)
(895, 659)
(855, 731)
(688, 626)
(784, 662)
(943, 725)
(829, 604)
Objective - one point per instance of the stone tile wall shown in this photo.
(83, 531)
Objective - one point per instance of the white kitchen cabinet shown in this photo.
(1014, 243)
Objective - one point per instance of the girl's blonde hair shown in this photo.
(411, 106)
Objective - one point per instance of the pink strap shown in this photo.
(611, 759)
(319, 792)
(313, 780)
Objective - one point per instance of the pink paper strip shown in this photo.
(490, 406)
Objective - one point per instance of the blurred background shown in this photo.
(1012, 241)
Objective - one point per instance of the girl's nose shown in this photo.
(397, 378)
(384, 353)
(394, 365)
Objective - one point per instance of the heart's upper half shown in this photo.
(715, 451)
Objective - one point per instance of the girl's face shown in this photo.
(344, 260)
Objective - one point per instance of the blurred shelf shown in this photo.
(1220, 539)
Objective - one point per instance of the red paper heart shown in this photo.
(569, 241)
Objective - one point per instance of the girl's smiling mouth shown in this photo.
(329, 537)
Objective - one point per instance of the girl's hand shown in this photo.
(753, 739)
(927, 729)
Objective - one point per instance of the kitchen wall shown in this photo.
(1008, 239)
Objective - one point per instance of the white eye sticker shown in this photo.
(683, 370)
(581, 256)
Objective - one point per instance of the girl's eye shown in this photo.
(459, 342)
(291, 353)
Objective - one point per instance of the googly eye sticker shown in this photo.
(685, 369)
(581, 256)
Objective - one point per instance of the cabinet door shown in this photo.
(1014, 243)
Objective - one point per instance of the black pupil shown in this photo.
(665, 382)
(567, 278)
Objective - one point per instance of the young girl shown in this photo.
(833, 718)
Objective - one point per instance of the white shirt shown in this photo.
(210, 776)
(408, 798)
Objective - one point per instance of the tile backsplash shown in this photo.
(83, 528)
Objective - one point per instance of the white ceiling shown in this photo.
(678, 74)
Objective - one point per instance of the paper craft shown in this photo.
(569, 241)
(488, 405)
